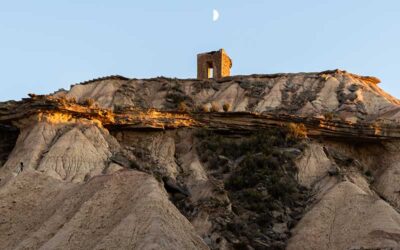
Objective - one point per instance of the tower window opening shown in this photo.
(210, 72)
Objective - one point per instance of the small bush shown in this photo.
(204, 108)
(89, 102)
(236, 182)
(213, 163)
(176, 97)
(72, 99)
(202, 133)
(204, 158)
(296, 130)
(215, 107)
(252, 195)
(329, 116)
(226, 107)
(182, 107)
(62, 99)
(176, 88)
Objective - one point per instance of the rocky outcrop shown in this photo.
(66, 151)
(58, 110)
(297, 161)
(345, 95)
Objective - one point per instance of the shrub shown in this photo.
(183, 107)
(202, 133)
(215, 107)
(62, 99)
(89, 102)
(213, 163)
(329, 116)
(226, 107)
(176, 97)
(204, 158)
(252, 195)
(204, 108)
(72, 99)
(236, 182)
(176, 88)
(282, 188)
(296, 130)
(368, 173)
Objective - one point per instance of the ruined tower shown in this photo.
(214, 64)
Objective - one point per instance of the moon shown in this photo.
(215, 15)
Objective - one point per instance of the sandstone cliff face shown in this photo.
(103, 171)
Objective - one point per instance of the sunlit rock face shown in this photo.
(296, 161)
(348, 96)
(64, 148)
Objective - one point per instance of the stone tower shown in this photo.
(214, 64)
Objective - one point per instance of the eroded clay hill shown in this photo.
(338, 93)
(296, 161)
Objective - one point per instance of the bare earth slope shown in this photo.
(49, 206)
(127, 210)
(296, 161)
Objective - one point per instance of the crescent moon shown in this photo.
(215, 15)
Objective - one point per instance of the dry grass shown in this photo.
(215, 107)
(297, 130)
(204, 108)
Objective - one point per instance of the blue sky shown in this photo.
(47, 45)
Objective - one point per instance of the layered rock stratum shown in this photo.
(295, 161)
